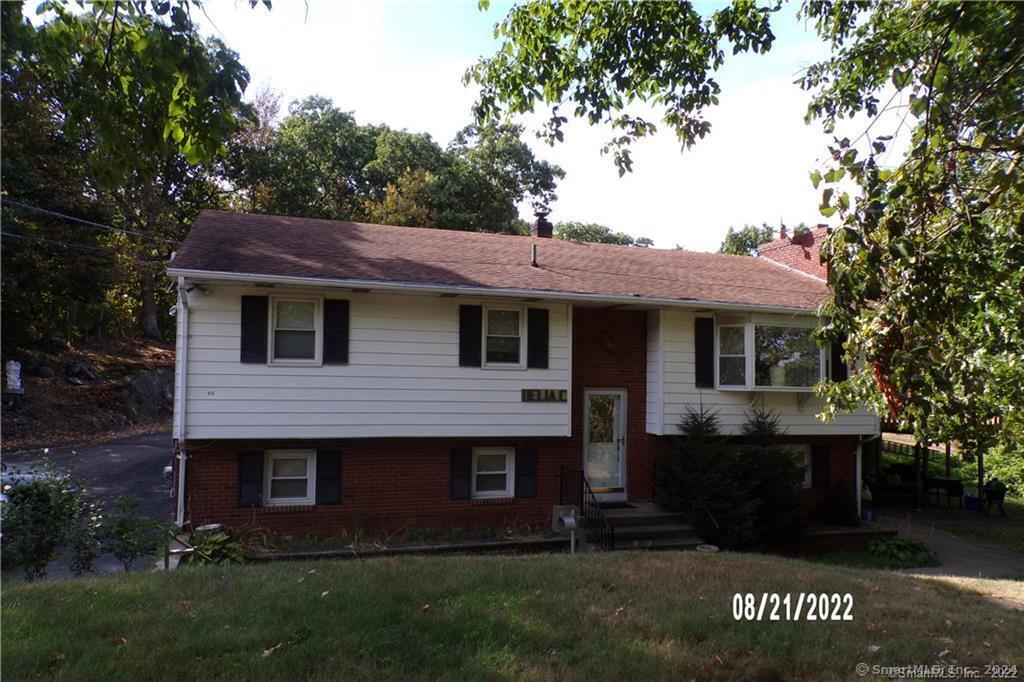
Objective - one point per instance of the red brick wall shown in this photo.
(800, 252)
(399, 484)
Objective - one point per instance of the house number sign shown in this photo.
(545, 395)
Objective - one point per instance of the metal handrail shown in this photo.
(576, 490)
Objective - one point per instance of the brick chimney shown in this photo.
(799, 252)
(542, 227)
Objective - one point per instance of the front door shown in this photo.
(604, 442)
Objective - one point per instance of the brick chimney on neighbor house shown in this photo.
(542, 227)
(799, 251)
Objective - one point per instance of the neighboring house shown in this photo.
(334, 375)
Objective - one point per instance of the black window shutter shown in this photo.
(840, 371)
(819, 466)
(335, 332)
(471, 320)
(526, 472)
(537, 338)
(328, 477)
(704, 351)
(250, 479)
(254, 329)
(462, 470)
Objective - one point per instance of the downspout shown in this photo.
(860, 473)
(182, 359)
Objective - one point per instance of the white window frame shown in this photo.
(746, 355)
(318, 330)
(522, 338)
(805, 451)
(510, 474)
(268, 469)
(750, 329)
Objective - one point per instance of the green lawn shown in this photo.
(595, 616)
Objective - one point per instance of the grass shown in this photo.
(973, 526)
(861, 560)
(618, 616)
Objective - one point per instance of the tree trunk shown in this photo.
(149, 319)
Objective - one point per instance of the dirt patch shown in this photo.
(132, 393)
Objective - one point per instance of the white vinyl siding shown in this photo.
(403, 378)
(797, 411)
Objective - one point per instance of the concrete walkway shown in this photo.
(957, 557)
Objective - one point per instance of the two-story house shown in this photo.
(333, 375)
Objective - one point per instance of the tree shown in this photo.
(927, 264)
(601, 58)
(745, 242)
(926, 267)
(145, 101)
(320, 162)
(597, 234)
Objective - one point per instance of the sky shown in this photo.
(401, 63)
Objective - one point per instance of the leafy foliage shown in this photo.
(926, 268)
(220, 548)
(130, 535)
(123, 107)
(600, 59)
(902, 553)
(597, 234)
(740, 496)
(745, 242)
(42, 513)
(320, 162)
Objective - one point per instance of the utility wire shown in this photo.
(68, 245)
(36, 209)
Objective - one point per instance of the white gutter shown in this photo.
(400, 287)
(182, 359)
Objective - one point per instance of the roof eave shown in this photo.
(405, 287)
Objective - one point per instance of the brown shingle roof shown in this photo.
(336, 250)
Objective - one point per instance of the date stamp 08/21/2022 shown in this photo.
(815, 606)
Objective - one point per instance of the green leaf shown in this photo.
(815, 178)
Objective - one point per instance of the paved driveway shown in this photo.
(127, 466)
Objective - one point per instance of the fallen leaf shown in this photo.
(719, 659)
(949, 623)
(301, 579)
(311, 571)
(118, 641)
(945, 640)
(944, 652)
(325, 593)
(872, 648)
(425, 607)
(872, 626)
(619, 610)
(268, 652)
(58, 655)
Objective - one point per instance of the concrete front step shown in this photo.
(618, 519)
(680, 544)
(677, 531)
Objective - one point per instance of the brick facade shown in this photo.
(398, 484)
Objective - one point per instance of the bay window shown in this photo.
(759, 356)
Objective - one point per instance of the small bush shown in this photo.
(221, 548)
(902, 553)
(840, 508)
(43, 512)
(131, 536)
(738, 496)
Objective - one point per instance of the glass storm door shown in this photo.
(604, 440)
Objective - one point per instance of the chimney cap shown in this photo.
(542, 227)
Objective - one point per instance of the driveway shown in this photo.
(127, 466)
(957, 557)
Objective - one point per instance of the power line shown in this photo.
(36, 209)
(68, 245)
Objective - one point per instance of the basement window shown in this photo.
(492, 472)
(291, 477)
